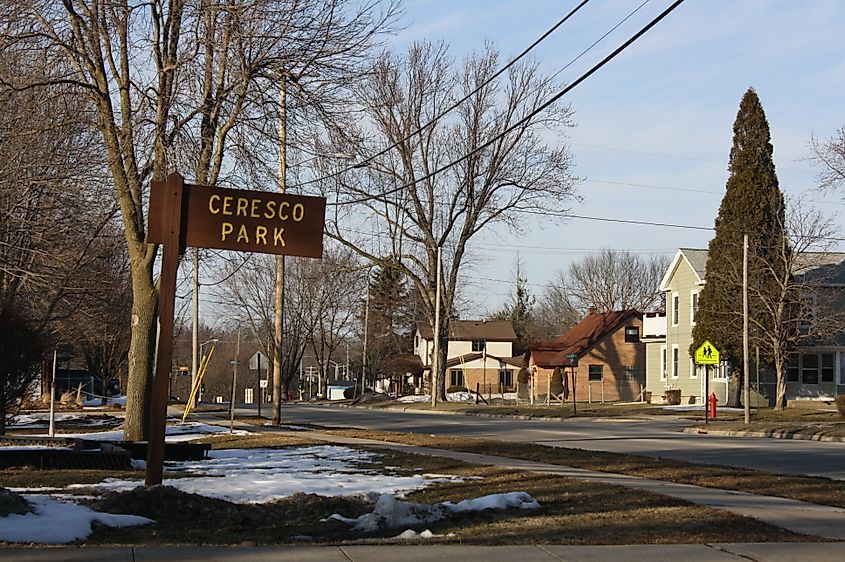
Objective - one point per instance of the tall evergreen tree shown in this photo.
(753, 204)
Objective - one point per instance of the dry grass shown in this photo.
(803, 488)
(572, 512)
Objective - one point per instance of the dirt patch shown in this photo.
(11, 502)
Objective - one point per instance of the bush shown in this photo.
(452, 389)
(349, 393)
(840, 405)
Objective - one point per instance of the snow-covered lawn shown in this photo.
(251, 476)
(57, 522)
(175, 432)
(263, 475)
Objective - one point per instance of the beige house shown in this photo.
(816, 371)
(479, 355)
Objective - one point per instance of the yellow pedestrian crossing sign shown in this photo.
(707, 354)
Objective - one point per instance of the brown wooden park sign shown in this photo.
(182, 215)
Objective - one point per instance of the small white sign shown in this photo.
(262, 383)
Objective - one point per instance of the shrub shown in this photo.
(840, 405)
(349, 393)
(456, 389)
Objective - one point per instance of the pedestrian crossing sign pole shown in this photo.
(706, 355)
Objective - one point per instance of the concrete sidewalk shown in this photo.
(800, 517)
(769, 552)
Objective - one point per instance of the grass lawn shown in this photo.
(803, 488)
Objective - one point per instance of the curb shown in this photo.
(769, 433)
(493, 416)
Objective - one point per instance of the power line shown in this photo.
(363, 163)
(528, 117)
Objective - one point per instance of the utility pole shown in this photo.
(195, 338)
(435, 360)
(366, 334)
(745, 373)
(279, 295)
(234, 382)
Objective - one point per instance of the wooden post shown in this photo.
(172, 220)
(574, 407)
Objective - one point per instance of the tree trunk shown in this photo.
(441, 366)
(141, 351)
(780, 391)
(734, 401)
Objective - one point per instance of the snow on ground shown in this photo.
(390, 512)
(97, 401)
(450, 397)
(176, 433)
(263, 475)
(700, 408)
(58, 522)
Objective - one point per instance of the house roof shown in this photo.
(827, 268)
(473, 330)
(694, 257)
(579, 338)
(470, 357)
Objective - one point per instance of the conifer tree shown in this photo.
(753, 204)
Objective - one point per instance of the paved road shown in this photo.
(656, 438)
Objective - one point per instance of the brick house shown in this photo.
(479, 355)
(604, 351)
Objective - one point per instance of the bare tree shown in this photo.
(50, 214)
(616, 280)
(403, 205)
(554, 312)
(802, 301)
(829, 156)
(177, 85)
(332, 289)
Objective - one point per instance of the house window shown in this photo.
(693, 372)
(827, 367)
(663, 362)
(810, 368)
(676, 308)
(693, 313)
(792, 369)
(631, 373)
(807, 313)
(595, 373)
(456, 377)
(675, 358)
(417, 341)
(632, 334)
(506, 377)
(479, 345)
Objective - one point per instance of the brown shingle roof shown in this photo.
(579, 338)
(472, 330)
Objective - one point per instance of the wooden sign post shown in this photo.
(183, 215)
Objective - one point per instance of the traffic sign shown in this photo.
(258, 362)
(262, 383)
(707, 354)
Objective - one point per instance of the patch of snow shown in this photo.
(411, 535)
(58, 522)
(450, 397)
(264, 475)
(94, 402)
(175, 433)
(390, 512)
(29, 447)
(700, 408)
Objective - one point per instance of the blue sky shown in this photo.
(659, 115)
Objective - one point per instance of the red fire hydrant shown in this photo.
(711, 402)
